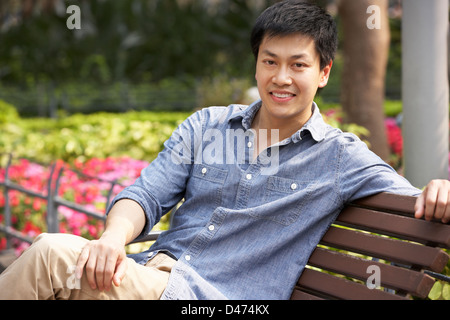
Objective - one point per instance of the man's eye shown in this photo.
(270, 62)
(299, 65)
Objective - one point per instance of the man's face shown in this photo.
(288, 76)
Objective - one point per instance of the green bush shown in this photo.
(8, 112)
(139, 135)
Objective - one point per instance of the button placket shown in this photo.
(204, 236)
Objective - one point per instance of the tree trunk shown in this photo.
(366, 49)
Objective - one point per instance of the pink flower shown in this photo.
(394, 135)
(29, 212)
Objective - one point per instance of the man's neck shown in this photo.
(285, 127)
(275, 130)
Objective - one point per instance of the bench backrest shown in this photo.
(376, 241)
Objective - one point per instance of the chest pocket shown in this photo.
(284, 199)
(205, 189)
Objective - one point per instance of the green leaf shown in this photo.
(436, 291)
(446, 292)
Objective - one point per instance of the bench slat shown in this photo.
(388, 202)
(397, 251)
(407, 228)
(300, 295)
(338, 288)
(393, 277)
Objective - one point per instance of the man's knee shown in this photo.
(58, 242)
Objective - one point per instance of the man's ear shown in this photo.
(325, 75)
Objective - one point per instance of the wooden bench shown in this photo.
(377, 236)
(406, 252)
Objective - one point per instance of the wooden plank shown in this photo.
(339, 288)
(396, 225)
(401, 252)
(393, 277)
(300, 295)
(388, 202)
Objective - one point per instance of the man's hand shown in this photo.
(434, 202)
(105, 262)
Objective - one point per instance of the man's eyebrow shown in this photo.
(274, 55)
(267, 52)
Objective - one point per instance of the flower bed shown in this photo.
(85, 184)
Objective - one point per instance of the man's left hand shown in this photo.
(434, 202)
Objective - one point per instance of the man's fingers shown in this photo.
(420, 205)
(99, 273)
(441, 204)
(444, 206)
(90, 270)
(82, 259)
(120, 272)
(108, 272)
(433, 203)
(430, 201)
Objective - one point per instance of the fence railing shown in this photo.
(54, 201)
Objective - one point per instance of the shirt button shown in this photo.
(294, 186)
(211, 227)
(249, 144)
(187, 257)
(249, 177)
(204, 170)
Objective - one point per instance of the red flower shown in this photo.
(394, 135)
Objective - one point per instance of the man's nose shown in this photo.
(282, 77)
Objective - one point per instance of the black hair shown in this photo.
(293, 16)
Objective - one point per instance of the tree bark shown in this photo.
(365, 51)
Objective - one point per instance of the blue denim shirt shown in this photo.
(246, 229)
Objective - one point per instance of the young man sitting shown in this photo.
(261, 185)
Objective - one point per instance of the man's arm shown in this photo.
(434, 202)
(105, 259)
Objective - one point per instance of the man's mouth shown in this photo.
(282, 95)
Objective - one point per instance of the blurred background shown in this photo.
(131, 42)
(173, 55)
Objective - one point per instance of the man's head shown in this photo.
(290, 17)
(294, 44)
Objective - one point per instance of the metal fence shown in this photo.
(46, 99)
(54, 201)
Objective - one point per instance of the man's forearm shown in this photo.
(126, 220)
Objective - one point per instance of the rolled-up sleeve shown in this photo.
(362, 173)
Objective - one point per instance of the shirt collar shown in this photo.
(315, 125)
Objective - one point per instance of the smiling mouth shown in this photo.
(282, 95)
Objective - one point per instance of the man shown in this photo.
(261, 184)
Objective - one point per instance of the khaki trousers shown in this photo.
(46, 271)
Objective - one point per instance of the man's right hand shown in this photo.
(105, 262)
